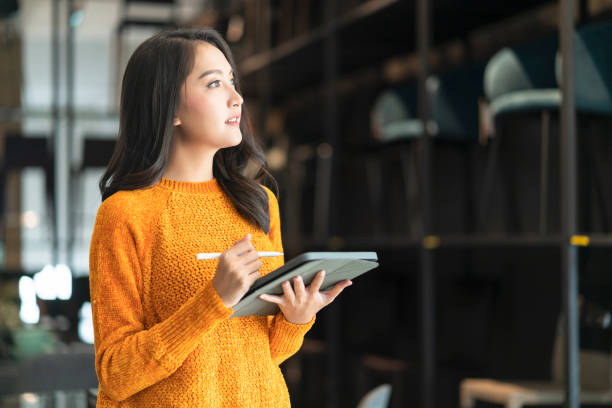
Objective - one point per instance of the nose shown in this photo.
(235, 98)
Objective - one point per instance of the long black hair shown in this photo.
(150, 96)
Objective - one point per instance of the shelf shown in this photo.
(477, 241)
(298, 63)
(367, 36)
(259, 61)
(450, 241)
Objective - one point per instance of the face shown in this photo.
(210, 108)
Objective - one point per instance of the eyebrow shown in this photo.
(213, 71)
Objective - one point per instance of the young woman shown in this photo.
(176, 186)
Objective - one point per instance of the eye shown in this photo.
(213, 84)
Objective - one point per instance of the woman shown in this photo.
(175, 187)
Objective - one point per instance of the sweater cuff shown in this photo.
(287, 332)
(181, 332)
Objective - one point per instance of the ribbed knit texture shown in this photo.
(163, 337)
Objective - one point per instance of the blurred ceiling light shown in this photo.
(86, 330)
(29, 398)
(277, 158)
(235, 28)
(29, 312)
(64, 285)
(30, 219)
(54, 282)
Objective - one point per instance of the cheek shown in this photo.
(199, 107)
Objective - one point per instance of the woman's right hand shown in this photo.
(237, 270)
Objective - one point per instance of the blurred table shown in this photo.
(72, 368)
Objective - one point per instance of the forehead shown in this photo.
(207, 57)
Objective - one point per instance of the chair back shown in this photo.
(454, 98)
(530, 66)
(376, 398)
(592, 68)
(393, 114)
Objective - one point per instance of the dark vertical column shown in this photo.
(423, 25)
(569, 261)
(70, 127)
(324, 197)
(53, 146)
(263, 76)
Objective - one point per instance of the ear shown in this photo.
(177, 122)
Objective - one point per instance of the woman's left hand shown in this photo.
(299, 304)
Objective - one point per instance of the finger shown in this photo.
(298, 288)
(335, 291)
(272, 299)
(247, 256)
(240, 246)
(246, 253)
(316, 283)
(288, 291)
(252, 270)
(252, 263)
(252, 277)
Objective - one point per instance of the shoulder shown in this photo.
(272, 200)
(271, 195)
(129, 206)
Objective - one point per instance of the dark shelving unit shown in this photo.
(358, 46)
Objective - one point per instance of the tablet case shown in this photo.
(338, 266)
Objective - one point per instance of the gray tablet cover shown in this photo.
(338, 266)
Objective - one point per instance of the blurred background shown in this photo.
(437, 133)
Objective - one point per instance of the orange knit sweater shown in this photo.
(163, 337)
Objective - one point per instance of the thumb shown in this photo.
(336, 290)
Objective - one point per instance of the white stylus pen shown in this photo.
(213, 255)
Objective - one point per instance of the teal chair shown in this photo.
(454, 115)
(526, 79)
(593, 100)
(593, 69)
(377, 398)
(455, 98)
(522, 79)
(518, 81)
(395, 125)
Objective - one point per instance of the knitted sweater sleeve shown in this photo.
(129, 356)
(285, 338)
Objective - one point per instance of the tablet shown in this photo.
(338, 266)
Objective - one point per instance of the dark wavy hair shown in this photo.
(150, 96)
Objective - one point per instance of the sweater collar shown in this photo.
(210, 186)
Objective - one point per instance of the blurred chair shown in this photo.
(395, 125)
(376, 398)
(595, 380)
(375, 369)
(454, 108)
(593, 99)
(518, 81)
(592, 68)
(526, 79)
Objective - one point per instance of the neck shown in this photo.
(190, 162)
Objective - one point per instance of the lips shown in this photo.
(233, 120)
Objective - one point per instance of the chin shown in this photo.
(236, 141)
